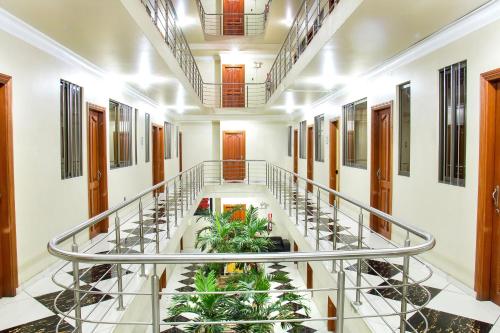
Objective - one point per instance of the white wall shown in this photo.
(448, 212)
(45, 204)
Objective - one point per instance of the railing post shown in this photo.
(305, 211)
(318, 217)
(187, 191)
(155, 303)
(267, 175)
(220, 172)
(157, 225)
(279, 185)
(175, 202)
(167, 212)
(119, 272)
(76, 294)
(248, 172)
(404, 291)
(334, 240)
(141, 234)
(181, 188)
(340, 298)
(358, 269)
(297, 202)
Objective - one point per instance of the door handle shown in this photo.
(494, 195)
(99, 175)
(379, 173)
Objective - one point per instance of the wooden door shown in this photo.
(295, 153)
(487, 280)
(8, 250)
(233, 148)
(332, 312)
(158, 156)
(180, 152)
(310, 157)
(97, 167)
(233, 86)
(334, 172)
(240, 211)
(381, 168)
(234, 17)
(295, 249)
(309, 277)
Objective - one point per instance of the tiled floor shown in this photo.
(451, 307)
(181, 280)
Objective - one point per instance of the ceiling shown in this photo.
(104, 33)
(371, 35)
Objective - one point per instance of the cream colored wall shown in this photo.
(45, 204)
(197, 143)
(252, 75)
(448, 212)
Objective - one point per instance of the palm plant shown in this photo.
(250, 231)
(216, 236)
(205, 307)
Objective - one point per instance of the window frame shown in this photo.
(452, 179)
(290, 130)
(147, 137)
(400, 88)
(345, 151)
(168, 140)
(71, 122)
(115, 160)
(319, 138)
(302, 139)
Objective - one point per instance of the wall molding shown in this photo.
(467, 24)
(30, 35)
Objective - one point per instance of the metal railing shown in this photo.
(162, 209)
(233, 24)
(234, 95)
(305, 26)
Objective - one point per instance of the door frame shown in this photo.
(310, 156)
(295, 153)
(373, 172)
(484, 235)
(333, 162)
(104, 224)
(244, 152)
(162, 153)
(9, 279)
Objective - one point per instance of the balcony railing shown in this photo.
(233, 24)
(234, 95)
(305, 26)
(164, 209)
(165, 19)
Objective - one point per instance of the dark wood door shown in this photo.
(180, 151)
(310, 157)
(381, 168)
(233, 148)
(487, 277)
(295, 153)
(234, 17)
(8, 248)
(332, 312)
(158, 156)
(233, 86)
(334, 172)
(310, 277)
(97, 167)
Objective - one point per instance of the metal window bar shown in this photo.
(71, 129)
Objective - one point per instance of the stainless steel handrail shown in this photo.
(285, 188)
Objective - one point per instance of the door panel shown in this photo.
(333, 158)
(310, 158)
(234, 18)
(97, 168)
(310, 277)
(381, 184)
(495, 258)
(233, 88)
(234, 149)
(295, 153)
(158, 156)
(332, 312)
(8, 248)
